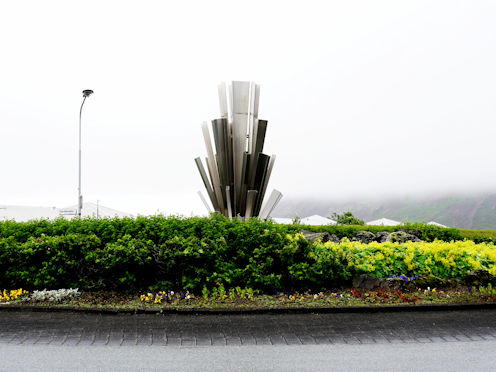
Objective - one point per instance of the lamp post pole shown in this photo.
(86, 94)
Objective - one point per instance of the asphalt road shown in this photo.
(434, 340)
(456, 356)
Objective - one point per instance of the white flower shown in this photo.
(54, 295)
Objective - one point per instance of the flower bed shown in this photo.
(245, 299)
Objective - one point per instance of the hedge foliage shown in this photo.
(147, 252)
(184, 253)
(479, 236)
(160, 228)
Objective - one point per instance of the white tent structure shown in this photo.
(22, 213)
(27, 213)
(317, 220)
(384, 222)
(282, 220)
(435, 224)
(96, 211)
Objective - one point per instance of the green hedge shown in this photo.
(158, 252)
(159, 228)
(177, 253)
(479, 236)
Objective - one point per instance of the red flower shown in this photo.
(355, 293)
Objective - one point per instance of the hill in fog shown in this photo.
(471, 212)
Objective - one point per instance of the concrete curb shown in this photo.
(234, 311)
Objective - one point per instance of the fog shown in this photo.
(364, 99)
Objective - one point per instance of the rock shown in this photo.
(371, 283)
(364, 237)
(323, 236)
(366, 282)
(313, 237)
(333, 238)
(401, 237)
(415, 232)
(381, 236)
(392, 284)
(478, 277)
(432, 281)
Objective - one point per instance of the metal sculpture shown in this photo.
(238, 173)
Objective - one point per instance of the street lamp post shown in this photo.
(86, 94)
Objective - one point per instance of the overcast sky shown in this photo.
(363, 98)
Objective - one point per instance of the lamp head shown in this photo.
(87, 92)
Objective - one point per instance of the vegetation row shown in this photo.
(193, 253)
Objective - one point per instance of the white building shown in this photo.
(384, 222)
(282, 220)
(26, 213)
(315, 220)
(435, 224)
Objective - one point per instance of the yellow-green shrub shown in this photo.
(445, 260)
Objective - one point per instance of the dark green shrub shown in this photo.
(347, 218)
(46, 261)
(124, 264)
